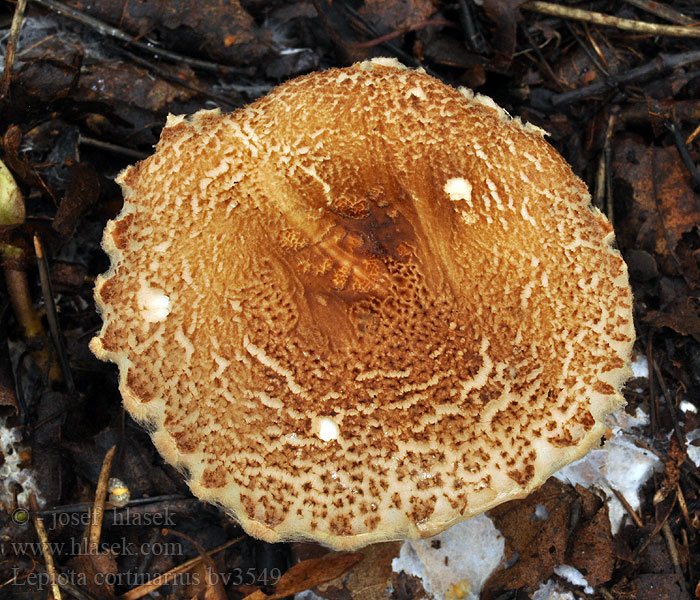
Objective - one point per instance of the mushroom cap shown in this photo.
(364, 307)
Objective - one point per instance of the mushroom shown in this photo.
(365, 307)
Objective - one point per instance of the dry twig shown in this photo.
(673, 552)
(684, 507)
(128, 152)
(596, 56)
(691, 138)
(401, 32)
(683, 151)
(653, 400)
(628, 507)
(669, 402)
(98, 508)
(45, 548)
(166, 578)
(542, 63)
(51, 314)
(105, 29)
(603, 190)
(660, 65)
(471, 30)
(18, 291)
(216, 587)
(166, 73)
(664, 11)
(589, 16)
(17, 19)
(368, 29)
(652, 535)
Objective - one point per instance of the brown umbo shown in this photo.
(364, 307)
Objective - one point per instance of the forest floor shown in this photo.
(85, 91)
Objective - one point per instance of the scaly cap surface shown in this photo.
(364, 307)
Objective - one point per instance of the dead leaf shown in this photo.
(672, 473)
(310, 573)
(576, 68)
(214, 585)
(82, 193)
(655, 558)
(590, 502)
(118, 81)
(20, 165)
(658, 586)
(368, 580)
(8, 397)
(222, 30)
(68, 277)
(445, 50)
(505, 16)
(45, 444)
(592, 550)
(407, 587)
(536, 545)
(98, 572)
(390, 15)
(683, 316)
(641, 265)
(46, 79)
(662, 205)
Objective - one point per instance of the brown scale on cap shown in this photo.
(364, 307)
